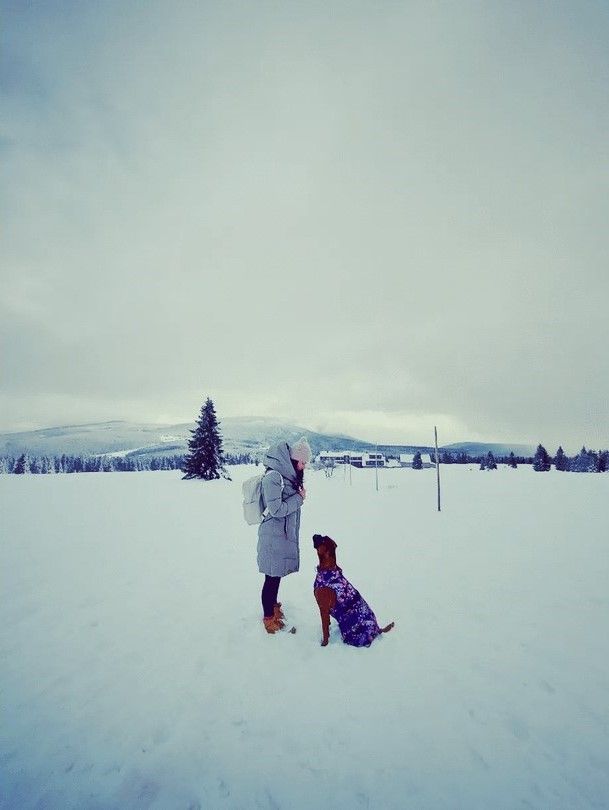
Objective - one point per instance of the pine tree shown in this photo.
(491, 464)
(22, 465)
(541, 462)
(417, 461)
(585, 461)
(205, 459)
(512, 461)
(561, 461)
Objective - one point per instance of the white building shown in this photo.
(406, 460)
(334, 457)
(354, 457)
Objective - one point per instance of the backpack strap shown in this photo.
(268, 470)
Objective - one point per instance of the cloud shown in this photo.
(376, 214)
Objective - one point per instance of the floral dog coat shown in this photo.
(357, 622)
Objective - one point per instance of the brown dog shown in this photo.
(336, 597)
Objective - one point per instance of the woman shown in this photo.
(283, 494)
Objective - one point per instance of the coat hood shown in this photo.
(278, 458)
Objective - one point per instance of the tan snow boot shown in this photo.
(278, 615)
(271, 625)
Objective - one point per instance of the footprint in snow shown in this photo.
(518, 728)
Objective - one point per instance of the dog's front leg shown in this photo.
(326, 599)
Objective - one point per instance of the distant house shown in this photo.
(369, 460)
(406, 460)
(392, 461)
(329, 457)
(353, 457)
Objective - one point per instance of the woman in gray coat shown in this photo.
(283, 494)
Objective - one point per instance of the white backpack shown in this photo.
(253, 505)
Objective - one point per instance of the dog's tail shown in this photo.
(388, 628)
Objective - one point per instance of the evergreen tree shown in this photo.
(602, 464)
(22, 465)
(561, 461)
(205, 459)
(417, 461)
(491, 464)
(483, 463)
(584, 461)
(541, 462)
(512, 461)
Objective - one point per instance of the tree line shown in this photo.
(542, 461)
(28, 464)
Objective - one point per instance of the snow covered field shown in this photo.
(136, 672)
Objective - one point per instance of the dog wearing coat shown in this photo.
(336, 597)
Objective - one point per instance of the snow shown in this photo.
(136, 672)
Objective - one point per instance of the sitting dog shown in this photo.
(336, 597)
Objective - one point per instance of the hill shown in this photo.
(240, 435)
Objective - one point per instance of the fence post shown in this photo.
(437, 467)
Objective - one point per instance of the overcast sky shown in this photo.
(370, 217)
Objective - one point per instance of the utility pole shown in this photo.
(437, 467)
(376, 467)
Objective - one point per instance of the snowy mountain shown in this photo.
(95, 438)
(240, 435)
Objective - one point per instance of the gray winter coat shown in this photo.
(278, 552)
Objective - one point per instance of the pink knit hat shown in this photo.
(300, 451)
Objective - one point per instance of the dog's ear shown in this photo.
(330, 543)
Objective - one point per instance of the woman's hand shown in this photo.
(302, 492)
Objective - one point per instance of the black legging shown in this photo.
(270, 589)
